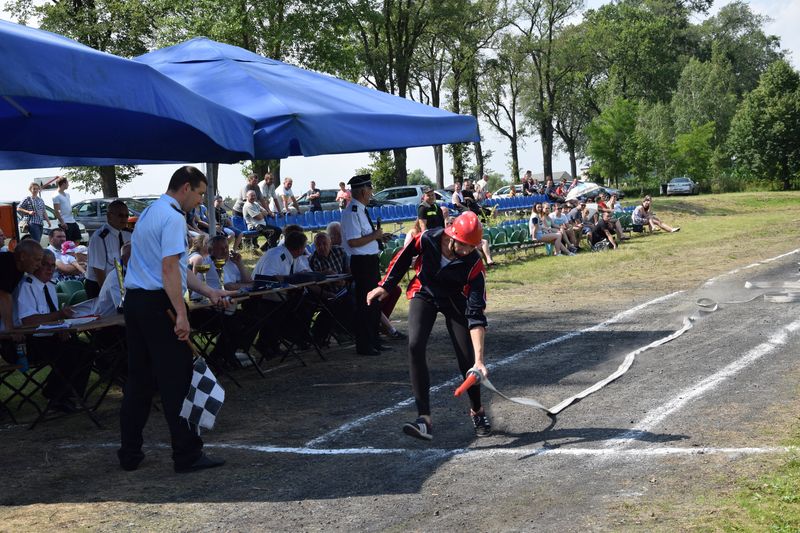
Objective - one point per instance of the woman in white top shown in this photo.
(643, 216)
(540, 233)
(198, 252)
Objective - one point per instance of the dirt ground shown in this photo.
(293, 466)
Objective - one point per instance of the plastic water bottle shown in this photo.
(548, 249)
(22, 357)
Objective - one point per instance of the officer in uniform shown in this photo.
(104, 247)
(37, 303)
(158, 355)
(363, 242)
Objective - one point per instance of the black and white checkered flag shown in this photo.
(205, 397)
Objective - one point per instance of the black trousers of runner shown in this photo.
(422, 313)
(366, 273)
(156, 359)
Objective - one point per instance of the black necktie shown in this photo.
(121, 242)
(291, 268)
(371, 225)
(50, 303)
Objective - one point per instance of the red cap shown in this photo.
(466, 229)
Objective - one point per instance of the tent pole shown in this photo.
(211, 176)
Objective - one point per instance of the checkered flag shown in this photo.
(205, 397)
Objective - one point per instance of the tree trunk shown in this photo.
(108, 179)
(472, 95)
(546, 132)
(458, 149)
(514, 159)
(400, 170)
(275, 170)
(260, 167)
(573, 162)
(438, 158)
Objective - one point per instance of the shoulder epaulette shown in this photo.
(355, 209)
(283, 257)
(29, 279)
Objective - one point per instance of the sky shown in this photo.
(328, 171)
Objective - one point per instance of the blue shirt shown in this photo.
(160, 232)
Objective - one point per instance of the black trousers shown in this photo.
(421, 317)
(366, 275)
(73, 232)
(92, 288)
(156, 359)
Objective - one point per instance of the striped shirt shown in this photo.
(37, 206)
(335, 261)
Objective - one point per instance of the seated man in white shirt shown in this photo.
(293, 323)
(67, 265)
(288, 202)
(255, 216)
(37, 303)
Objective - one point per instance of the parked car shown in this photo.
(327, 198)
(682, 185)
(609, 191)
(505, 191)
(147, 200)
(45, 241)
(403, 195)
(92, 213)
(443, 196)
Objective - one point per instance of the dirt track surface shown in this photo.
(320, 448)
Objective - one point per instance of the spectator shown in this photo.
(527, 183)
(335, 296)
(603, 207)
(578, 226)
(313, 196)
(37, 303)
(62, 205)
(551, 192)
(602, 233)
(109, 302)
(104, 246)
(251, 185)
(67, 265)
(560, 221)
(3, 247)
(539, 232)
(342, 196)
(458, 197)
(480, 188)
(25, 258)
(429, 214)
(198, 252)
(286, 197)
(573, 184)
(643, 216)
(267, 188)
(548, 225)
(225, 225)
(193, 224)
(255, 218)
(35, 213)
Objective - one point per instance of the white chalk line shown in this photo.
(656, 416)
(478, 453)
(318, 441)
(752, 265)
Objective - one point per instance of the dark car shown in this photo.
(327, 198)
(92, 213)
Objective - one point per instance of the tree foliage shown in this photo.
(611, 132)
(764, 137)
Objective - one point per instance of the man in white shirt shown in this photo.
(67, 266)
(104, 246)
(268, 193)
(255, 216)
(289, 315)
(62, 205)
(109, 302)
(286, 197)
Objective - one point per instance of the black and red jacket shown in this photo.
(461, 283)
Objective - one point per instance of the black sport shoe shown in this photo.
(419, 429)
(483, 428)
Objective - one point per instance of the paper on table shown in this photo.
(84, 308)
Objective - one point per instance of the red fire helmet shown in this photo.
(466, 229)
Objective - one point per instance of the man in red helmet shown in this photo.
(450, 279)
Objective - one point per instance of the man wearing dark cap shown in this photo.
(429, 213)
(362, 241)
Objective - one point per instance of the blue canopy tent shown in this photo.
(299, 112)
(65, 104)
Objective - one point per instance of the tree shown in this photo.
(764, 138)
(89, 179)
(737, 35)
(382, 170)
(610, 139)
(694, 151)
(705, 93)
(540, 22)
(418, 177)
(652, 159)
(500, 96)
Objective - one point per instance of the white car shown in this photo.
(682, 185)
(45, 240)
(504, 192)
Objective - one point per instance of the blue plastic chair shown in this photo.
(328, 216)
(337, 216)
(239, 223)
(319, 219)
